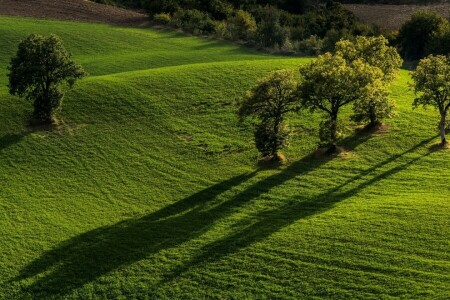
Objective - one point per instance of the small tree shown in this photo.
(37, 71)
(432, 85)
(376, 52)
(269, 102)
(329, 83)
(242, 25)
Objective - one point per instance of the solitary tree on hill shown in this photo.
(269, 102)
(432, 87)
(39, 68)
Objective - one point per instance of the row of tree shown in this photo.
(357, 73)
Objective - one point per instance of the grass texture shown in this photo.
(149, 187)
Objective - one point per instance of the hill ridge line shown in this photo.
(119, 74)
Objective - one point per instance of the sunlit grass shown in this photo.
(150, 189)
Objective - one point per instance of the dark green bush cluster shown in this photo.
(303, 29)
(425, 33)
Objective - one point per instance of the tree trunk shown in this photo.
(372, 116)
(276, 129)
(333, 133)
(442, 127)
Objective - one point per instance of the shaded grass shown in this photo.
(150, 187)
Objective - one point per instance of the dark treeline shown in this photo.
(305, 27)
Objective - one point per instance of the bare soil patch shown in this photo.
(393, 16)
(73, 10)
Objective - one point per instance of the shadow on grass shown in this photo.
(88, 256)
(269, 222)
(9, 140)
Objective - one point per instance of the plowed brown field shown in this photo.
(393, 16)
(76, 10)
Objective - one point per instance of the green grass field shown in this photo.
(150, 188)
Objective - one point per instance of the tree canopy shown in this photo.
(376, 52)
(432, 87)
(330, 82)
(36, 72)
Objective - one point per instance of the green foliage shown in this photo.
(37, 71)
(375, 51)
(194, 21)
(374, 106)
(330, 82)
(432, 87)
(372, 50)
(242, 26)
(268, 141)
(269, 102)
(162, 18)
(417, 33)
(270, 32)
(280, 26)
(440, 40)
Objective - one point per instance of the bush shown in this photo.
(440, 40)
(162, 18)
(242, 26)
(416, 34)
(193, 21)
(221, 29)
(310, 46)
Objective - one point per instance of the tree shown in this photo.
(415, 35)
(376, 52)
(432, 87)
(242, 25)
(269, 102)
(37, 71)
(329, 83)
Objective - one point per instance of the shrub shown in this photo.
(416, 34)
(310, 46)
(162, 18)
(194, 21)
(242, 25)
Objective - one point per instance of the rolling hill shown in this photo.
(149, 189)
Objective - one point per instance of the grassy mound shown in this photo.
(149, 187)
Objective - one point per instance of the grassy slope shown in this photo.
(150, 189)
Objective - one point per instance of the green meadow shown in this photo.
(149, 187)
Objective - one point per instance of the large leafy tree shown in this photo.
(432, 87)
(39, 68)
(376, 52)
(268, 103)
(329, 83)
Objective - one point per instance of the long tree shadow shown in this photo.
(88, 256)
(266, 223)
